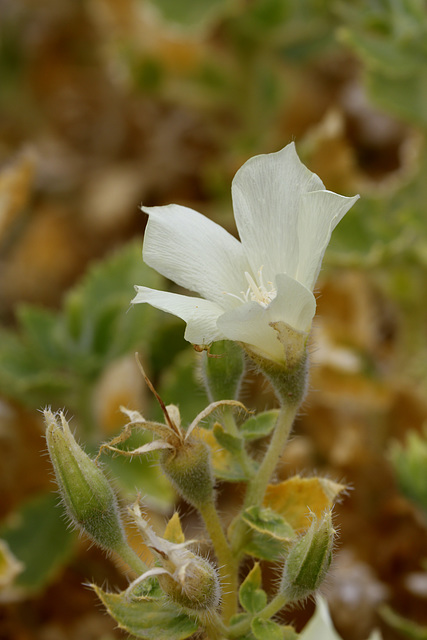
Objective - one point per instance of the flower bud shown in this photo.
(187, 578)
(194, 583)
(189, 469)
(308, 560)
(87, 495)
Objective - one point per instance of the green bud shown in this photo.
(87, 495)
(223, 368)
(189, 469)
(308, 560)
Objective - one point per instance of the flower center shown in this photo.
(257, 291)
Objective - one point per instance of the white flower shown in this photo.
(320, 626)
(251, 291)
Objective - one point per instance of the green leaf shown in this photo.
(267, 629)
(232, 444)
(260, 425)
(252, 597)
(53, 354)
(270, 535)
(38, 537)
(225, 466)
(150, 618)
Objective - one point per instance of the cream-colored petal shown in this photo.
(294, 304)
(195, 252)
(266, 195)
(249, 323)
(320, 212)
(199, 314)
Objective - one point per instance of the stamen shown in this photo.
(261, 293)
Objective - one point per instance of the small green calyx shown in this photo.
(289, 373)
(190, 471)
(308, 560)
(87, 495)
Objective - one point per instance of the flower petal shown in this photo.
(266, 196)
(320, 212)
(293, 304)
(249, 323)
(200, 315)
(194, 252)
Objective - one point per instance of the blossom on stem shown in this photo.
(257, 291)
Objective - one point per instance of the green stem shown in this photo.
(214, 626)
(227, 563)
(128, 555)
(258, 485)
(273, 607)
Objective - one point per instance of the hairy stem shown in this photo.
(258, 485)
(272, 607)
(227, 564)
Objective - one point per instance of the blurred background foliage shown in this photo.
(105, 104)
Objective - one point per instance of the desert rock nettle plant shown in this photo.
(255, 304)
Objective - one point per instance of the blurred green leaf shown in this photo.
(54, 355)
(390, 38)
(189, 13)
(39, 537)
(410, 464)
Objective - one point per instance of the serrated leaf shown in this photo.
(267, 629)
(149, 618)
(252, 597)
(40, 539)
(296, 497)
(269, 533)
(260, 425)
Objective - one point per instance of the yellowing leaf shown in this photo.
(296, 497)
(226, 467)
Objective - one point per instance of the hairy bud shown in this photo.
(189, 469)
(87, 495)
(308, 560)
